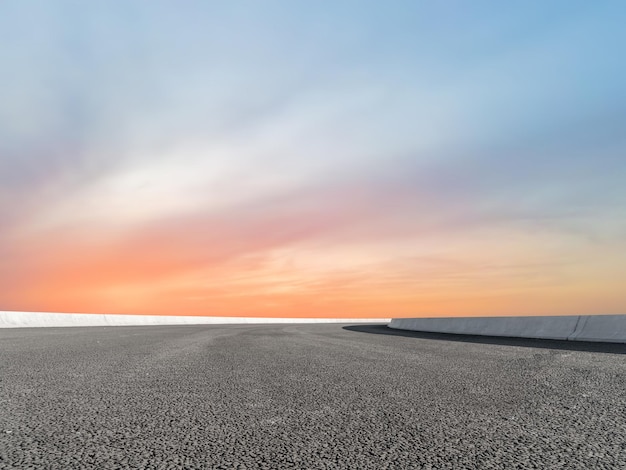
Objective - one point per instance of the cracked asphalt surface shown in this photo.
(305, 396)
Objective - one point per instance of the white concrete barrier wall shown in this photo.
(608, 328)
(605, 328)
(45, 319)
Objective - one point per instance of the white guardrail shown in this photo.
(45, 319)
(604, 328)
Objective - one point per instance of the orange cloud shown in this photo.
(337, 250)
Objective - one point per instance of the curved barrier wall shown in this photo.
(605, 328)
(42, 319)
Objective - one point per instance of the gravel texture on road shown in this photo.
(306, 397)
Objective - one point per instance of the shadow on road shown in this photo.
(611, 348)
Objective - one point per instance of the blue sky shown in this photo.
(241, 143)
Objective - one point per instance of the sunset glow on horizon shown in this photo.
(313, 159)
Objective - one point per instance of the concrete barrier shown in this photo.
(45, 319)
(604, 328)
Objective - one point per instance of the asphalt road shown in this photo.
(305, 396)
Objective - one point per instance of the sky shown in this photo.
(313, 159)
